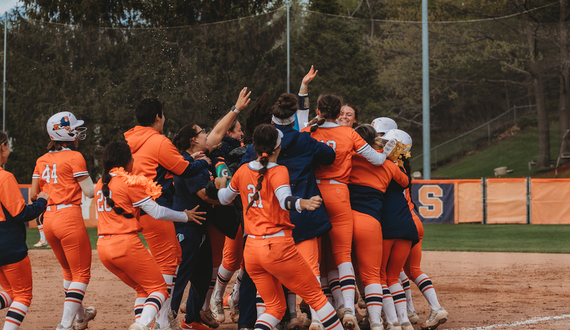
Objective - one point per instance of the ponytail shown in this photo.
(329, 106)
(319, 123)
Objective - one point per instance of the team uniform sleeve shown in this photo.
(12, 200)
(228, 194)
(137, 195)
(170, 159)
(398, 175)
(280, 180)
(36, 174)
(366, 151)
(162, 213)
(78, 166)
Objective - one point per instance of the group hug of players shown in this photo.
(292, 212)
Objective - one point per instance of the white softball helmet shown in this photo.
(384, 124)
(400, 136)
(63, 126)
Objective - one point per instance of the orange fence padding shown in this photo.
(506, 201)
(468, 206)
(550, 201)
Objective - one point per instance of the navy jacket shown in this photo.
(299, 153)
(397, 221)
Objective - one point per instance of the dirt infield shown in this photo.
(480, 290)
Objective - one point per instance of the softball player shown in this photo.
(15, 267)
(412, 268)
(120, 195)
(367, 186)
(271, 258)
(332, 182)
(62, 173)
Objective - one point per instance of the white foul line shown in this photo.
(527, 322)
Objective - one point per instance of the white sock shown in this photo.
(326, 289)
(73, 302)
(373, 297)
(347, 284)
(408, 291)
(399, 298)
(334, 284)
(15, 316)
(426, 287)
(222, 278)
(151, 307)
(139, 305)
(162, 316)
(388, 305)
(266, 322)
(42, 234)
(237, 284)
(259, 304)
(328, 317)
(5, 300)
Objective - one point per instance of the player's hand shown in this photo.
(309, 76)
(43, 195)
(221, 182)
(198, 155)
(311, 204)
(243, 99)
(194, 215)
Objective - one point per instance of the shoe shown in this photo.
(41, 243)
(217, 309)
(349, 320)
(138, 326)
(90, 313)
(172, 323)
(294, 323)
(193, 326)
(435, 319)
(376, 326)
(208, 319)
(234, 310)
(316, 325)
(407, 326)
(413, 317)
(395, 326)
(182, 307)
(61, 327)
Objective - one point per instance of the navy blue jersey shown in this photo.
(397, 221)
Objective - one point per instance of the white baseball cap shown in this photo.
(384, 124)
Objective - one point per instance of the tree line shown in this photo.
(98, 59)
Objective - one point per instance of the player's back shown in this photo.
(57, 172)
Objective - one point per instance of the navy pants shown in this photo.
(196, 267)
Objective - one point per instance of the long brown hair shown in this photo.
(329, 105)
(116, 154)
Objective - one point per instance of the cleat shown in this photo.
(349, 320)
(435, 319)
(234, 311)
(61, 327)
(376, 326)
(413, 317)
(138, 326)
(395, 326)
(340, 310)
(90, 313)
(193, 326)
(41, 243)
(316, 325)
(208, 319)
(407, 326)
(217, 310)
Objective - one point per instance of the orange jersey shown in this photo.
(345, 142)
(10, 197)
(151, 149)
(265, 217)
(377, 177)
(129, 198)
(57, 172)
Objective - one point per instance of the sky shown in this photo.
(7, 5)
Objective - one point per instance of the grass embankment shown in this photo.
(464, 237)
(515, 152)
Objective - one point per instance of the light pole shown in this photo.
(425, 94)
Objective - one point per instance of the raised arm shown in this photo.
(215, 137)
(303, 105)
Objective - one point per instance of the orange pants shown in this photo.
(394, 255)
(412, 266)
(16, 281)
(337, 202)
(125, 256)
(274, 261)
(162, 243)
(66, 234)
(217, 242)
(367, 242)
(309, 250)
(233, 252)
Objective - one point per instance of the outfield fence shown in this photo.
(486, 201)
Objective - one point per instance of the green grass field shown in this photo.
(464, 237)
